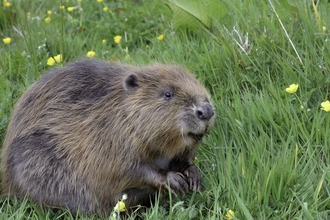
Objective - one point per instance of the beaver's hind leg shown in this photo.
(34, 170)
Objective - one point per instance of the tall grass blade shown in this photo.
(286, 33)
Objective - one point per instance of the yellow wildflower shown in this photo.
(104, 41)
(91, 53)
(160, 37)
(117, 39)
(99, 0)
(292, 88)
(47, 20)
(324, 28)
(58, 58)
(28, 15)
(50, 61)
(62, 7)
(105, 9)
(120, 207)
(49, 12)
(78, 0)
(70, 9)
(6, 3)
(326, 106)
(6, 40)
(230, 215)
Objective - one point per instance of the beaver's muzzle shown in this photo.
(205, 111)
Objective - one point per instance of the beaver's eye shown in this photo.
(168, 95)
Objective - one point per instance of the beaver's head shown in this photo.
(169, 109)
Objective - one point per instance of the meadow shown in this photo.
(268, 155)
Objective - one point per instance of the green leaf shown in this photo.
(194, 14)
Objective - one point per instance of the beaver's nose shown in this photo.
(205, 112)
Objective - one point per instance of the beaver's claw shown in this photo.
(193, 177)
(177, 183)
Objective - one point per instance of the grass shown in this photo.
(268, 156)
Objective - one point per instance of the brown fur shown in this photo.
(88, 133)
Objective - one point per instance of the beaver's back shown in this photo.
(42, 128)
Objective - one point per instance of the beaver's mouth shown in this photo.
(197, 137)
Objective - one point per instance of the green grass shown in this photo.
(268, 156)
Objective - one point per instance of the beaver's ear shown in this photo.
(131, 82)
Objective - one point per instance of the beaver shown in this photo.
(86, 134)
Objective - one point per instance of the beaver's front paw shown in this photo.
(177, 183)
(193, 177)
